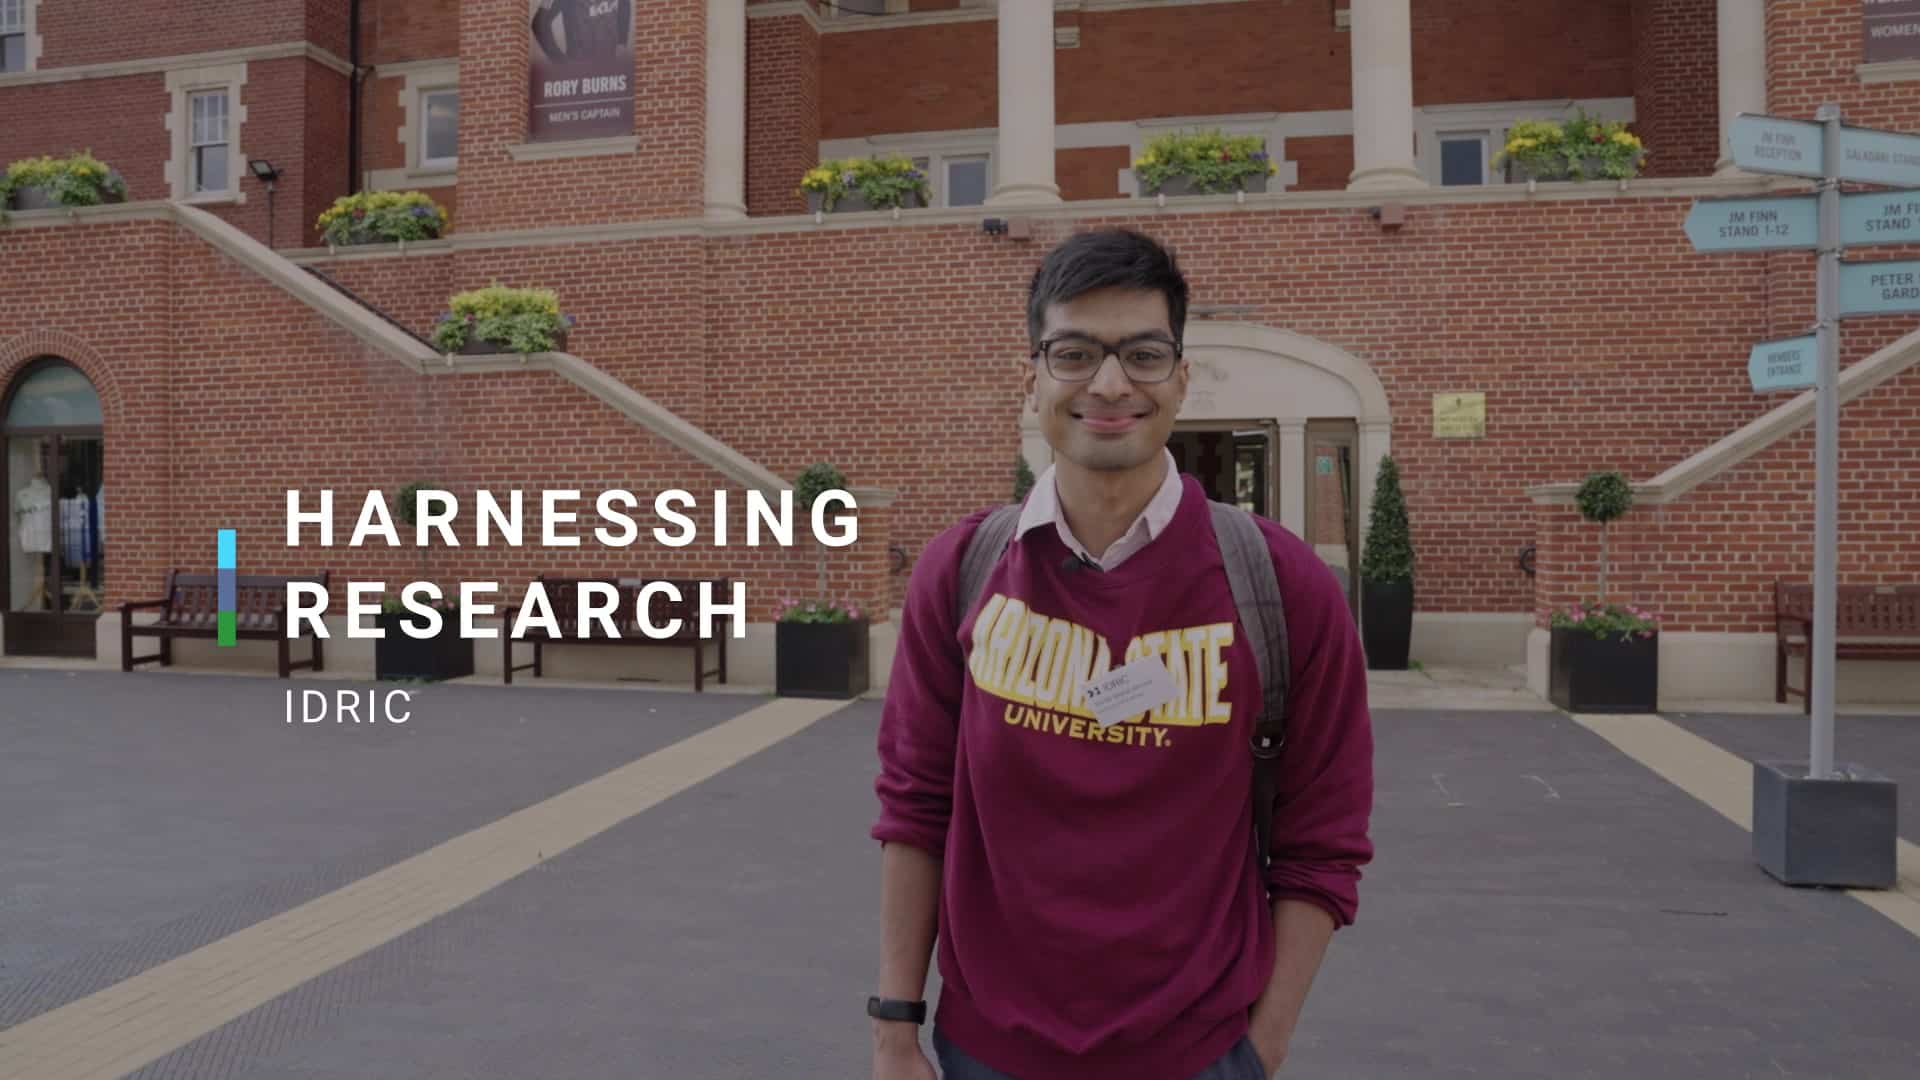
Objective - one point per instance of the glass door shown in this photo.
(1332, 510)
(51, 486)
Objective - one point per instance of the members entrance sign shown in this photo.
(580, 69)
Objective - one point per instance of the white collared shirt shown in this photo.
(1043, 506)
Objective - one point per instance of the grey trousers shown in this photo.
(1242, 1062)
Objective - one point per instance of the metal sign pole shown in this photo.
(1826, 502)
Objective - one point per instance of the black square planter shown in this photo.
(400, 655)
(1586, 674)
(1841, 832)
(820, 660)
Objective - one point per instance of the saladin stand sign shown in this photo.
(580, 69)
(1819, 822)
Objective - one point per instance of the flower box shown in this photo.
(853, 203)
(1614, 673)
(820, 659)
(400, 655)
(1175, 186)
(49, 183)
(478, 347)
(381, 217)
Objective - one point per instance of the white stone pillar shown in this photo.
(1293, 476)
(1023, 160)
(1382, 33)
(726, 195)
(1743, 70)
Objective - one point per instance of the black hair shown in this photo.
(1102, 259)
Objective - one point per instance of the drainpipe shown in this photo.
(353, 98)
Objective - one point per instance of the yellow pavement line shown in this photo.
(147, 1016)
(1724, 781)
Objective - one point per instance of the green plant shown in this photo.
(404, 503)
(1603, 497)
(818, 611)
(814, 481)
(1389, 553)
(522, 320)
(884, 182)
(79, 179)
(1212, 161)
(374, 216)
(1022, 478)
(1606, 620)
(1582, 148)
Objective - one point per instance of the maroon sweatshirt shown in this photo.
(1101, 914)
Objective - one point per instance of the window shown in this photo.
(207, 167)
(439, 128)
(1463, 158)
(957, 179)
(206, 126)
(13, 35)
(966, 181)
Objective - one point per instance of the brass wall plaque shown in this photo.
(1460, 416)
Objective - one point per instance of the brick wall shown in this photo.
(123, 121)
(1091, 173)
(1326, 161)
(1813, 53)
(1708, 562)
(328, 23)
(1676, 85)
(230, 392)
(325, 174)
(102, 31)
(1518, 50)
(381, 119)
(783, 112)
(392, 31)
(841, 368)
(1272, 55)
(296, 118)
(662, 179)
(927, 78)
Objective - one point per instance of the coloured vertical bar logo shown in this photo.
(228, 588)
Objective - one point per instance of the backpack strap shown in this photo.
(989, 541)
(1256, 595)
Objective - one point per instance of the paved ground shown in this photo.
(1541, 905)
(1888, 745)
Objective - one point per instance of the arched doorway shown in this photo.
(52, 487)
(1288, 425)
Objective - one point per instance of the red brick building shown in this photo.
(210, 355)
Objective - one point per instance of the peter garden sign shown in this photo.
(1813, 824)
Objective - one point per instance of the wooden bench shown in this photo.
(563, 596)
(1871, 622)
(191, 609)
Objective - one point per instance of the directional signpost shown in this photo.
(1829, 152)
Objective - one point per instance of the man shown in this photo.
(1091, 878)
(595, 29)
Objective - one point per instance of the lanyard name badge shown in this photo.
(1129, 691)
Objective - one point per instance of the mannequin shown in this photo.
(33, 514)
(78, 548)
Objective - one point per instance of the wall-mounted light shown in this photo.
(264, 172)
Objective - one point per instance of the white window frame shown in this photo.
(30, 31)
(422, 77)
(437, 163)
(936, 170)
(197, 181)
(182, 85)
(1484, 136)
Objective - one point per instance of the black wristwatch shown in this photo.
(895, 1009)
